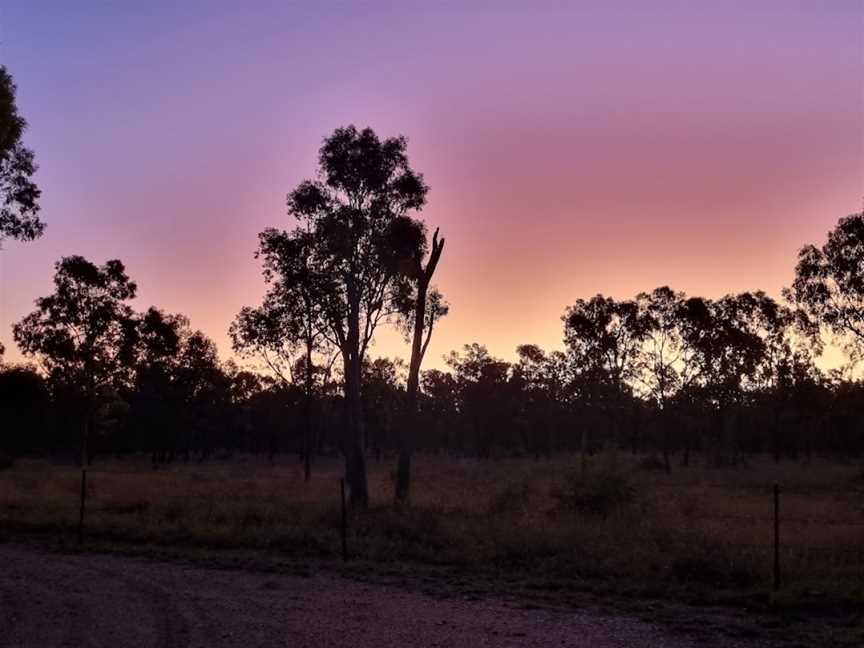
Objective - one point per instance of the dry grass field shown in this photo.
(700, 533)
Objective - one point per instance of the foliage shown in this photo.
(598, 493)
(829, 283)
(19, 195)
(85, 329)
(365, 185)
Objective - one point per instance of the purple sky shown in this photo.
(572, 148)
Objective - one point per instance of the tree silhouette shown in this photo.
(383, 398)
(420, 309)
(206, 393)
(485, 398)
(19, 195)
(726, 351)
(25, 405)
(85, 330)
(663, 361)
(439, 408)
(829, 283)
(544, 382)
(155, 404)
(604, 339)
(291, 319)
(365, 184)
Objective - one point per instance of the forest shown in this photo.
(662, 372)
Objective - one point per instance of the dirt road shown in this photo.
(49, 600)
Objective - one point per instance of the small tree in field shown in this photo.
(85, 331)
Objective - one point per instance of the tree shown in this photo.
(383, 397)
(85, 330)
(420, 309)
(543, 382)
(440, 410)
(24, 407)
(786, 364)
(604, 339)
(154, 402)
(19, 195)
(205, 392)
(365, 183)
(485, 398)
(663, 361)
(829, 284)
(291, 319)
(661, 354)
(725, 349)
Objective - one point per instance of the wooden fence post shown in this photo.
(344, 521)
(776, 537)
(83, 505)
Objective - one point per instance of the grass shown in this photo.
(621, 529)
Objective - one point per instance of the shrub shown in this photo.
(714, 569)
(513, 498)
(600, 494)
(651, 463)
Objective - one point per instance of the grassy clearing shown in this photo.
(700, 535)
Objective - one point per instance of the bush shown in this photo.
(714, 569)
(511, 499)
(599, 494)
(652, 463)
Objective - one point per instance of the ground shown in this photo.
(87, 600)
(691, 551)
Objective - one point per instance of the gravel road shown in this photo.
(85, 601)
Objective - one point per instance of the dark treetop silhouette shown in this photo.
(19, 196)
(662, 370)
(365, 184)
(83, 333)
(290, 327)
(829, 283)
(419, 308)
(111, 368)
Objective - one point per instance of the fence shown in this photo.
(107, 498)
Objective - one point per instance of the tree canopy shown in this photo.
(19, 195)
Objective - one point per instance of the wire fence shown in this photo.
(783, 532)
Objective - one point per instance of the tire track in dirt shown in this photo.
(171, 623)
(96, 601)
(12, 610)
(44, 611)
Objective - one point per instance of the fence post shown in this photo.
(776, 537)
(344, 521)
(83, 503)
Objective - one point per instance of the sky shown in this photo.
(571, 148)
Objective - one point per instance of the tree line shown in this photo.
(660, 372)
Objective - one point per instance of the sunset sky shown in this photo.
(571, 148)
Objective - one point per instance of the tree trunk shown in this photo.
(355, 457)
(666, 458)
(688, 431)
(89, 416)
(307, 415)
(418, 348)
(583, 448)
(775, 429)
(406, 441)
